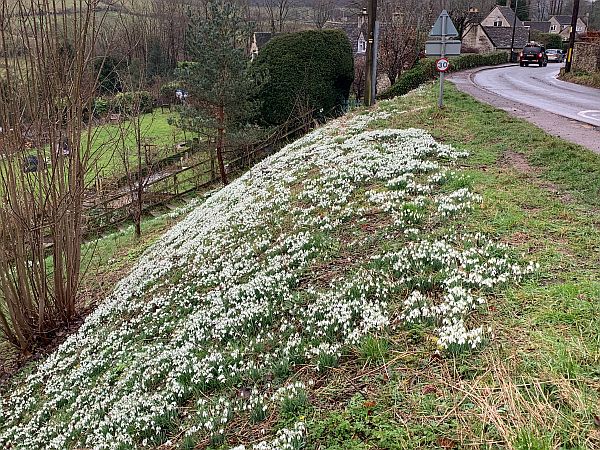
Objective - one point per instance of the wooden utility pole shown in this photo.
(574, 19)
(371, 56)
(512, 41)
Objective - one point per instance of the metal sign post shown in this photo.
(441, 46)
(442, 55)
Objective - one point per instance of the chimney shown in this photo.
(363, 18)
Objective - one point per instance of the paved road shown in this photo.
(539, 87)
(562, 109)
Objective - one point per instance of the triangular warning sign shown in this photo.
(450, 28)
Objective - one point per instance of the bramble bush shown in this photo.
(424, 71)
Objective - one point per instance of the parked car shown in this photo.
(555, 55)
(533, 54)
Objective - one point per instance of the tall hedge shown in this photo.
(313, 69)
(425, 71)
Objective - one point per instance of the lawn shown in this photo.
(111, 140)
(365, 288)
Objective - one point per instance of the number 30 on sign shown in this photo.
(442, 65)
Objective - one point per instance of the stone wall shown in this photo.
(586, 57)
(475, 40)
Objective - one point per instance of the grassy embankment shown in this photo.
(591, 79)
(536, 383)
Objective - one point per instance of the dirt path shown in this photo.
(568, 129)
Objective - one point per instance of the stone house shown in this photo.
(481, 39)
(540, 26)
(501, 16)
(259, 40)
(495, 32)
(562, 25)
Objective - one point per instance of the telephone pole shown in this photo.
(371, 60)
(514, 28)
(574, 19)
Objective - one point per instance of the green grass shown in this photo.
(591, 79)
(536, 385)
(107, 146)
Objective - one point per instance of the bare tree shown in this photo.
(539, 9)
(322, 11)
(401, 35)
(278, 11)
(46, 150)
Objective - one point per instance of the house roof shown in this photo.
(563, 20)
(501, 37)
(543, 27)
(262, 37)
(351, 30)
(510, 15)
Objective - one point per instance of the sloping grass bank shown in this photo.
(536, 385)
(331, 297)
(228, 330)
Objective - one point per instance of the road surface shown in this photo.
(535, 94)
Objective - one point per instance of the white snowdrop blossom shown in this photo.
(234, 296)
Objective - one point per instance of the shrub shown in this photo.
(310, 69)
(548, 40)
(424, 71)
(167, 91)
(101, 107)
(138, 102)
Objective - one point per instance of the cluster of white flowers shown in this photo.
(232, 295)
(287, 439)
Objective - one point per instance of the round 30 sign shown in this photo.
(442, 65)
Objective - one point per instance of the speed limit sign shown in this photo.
(442, 65)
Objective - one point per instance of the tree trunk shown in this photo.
(220, 144)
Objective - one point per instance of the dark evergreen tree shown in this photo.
(109, 82)
(217, 78)
(306, 70)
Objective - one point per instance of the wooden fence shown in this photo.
(172, 180)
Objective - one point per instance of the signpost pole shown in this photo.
(443, 55)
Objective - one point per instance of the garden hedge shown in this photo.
(309, 69)
(425, 71)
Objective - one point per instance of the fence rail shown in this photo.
(108, 210)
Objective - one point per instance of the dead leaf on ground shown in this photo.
(446, 443)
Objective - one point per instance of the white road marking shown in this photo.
(592, 114)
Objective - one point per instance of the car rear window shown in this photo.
(532, 50)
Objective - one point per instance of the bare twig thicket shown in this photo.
(46, 93)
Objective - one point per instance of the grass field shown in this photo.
(533, 384)
(108, 146)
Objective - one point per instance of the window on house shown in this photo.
(362, 46)
(553, 28)
(498, 23)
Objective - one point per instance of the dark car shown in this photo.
(555, 55)
(533, 54)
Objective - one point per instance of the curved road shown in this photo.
(539, 87)
(534, 93)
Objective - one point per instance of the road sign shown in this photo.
(443, 26)
(434, 48)
(442, 65)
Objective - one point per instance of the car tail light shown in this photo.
(540, 55)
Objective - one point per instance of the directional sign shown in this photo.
(434, 48)
(438, 29)
(442, 65)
